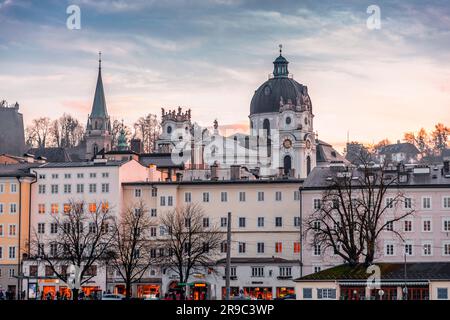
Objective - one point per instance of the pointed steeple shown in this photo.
(99, 106)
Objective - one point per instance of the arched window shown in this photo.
(287, 164)
(266, 127)
(308, 165)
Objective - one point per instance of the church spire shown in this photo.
(99, 106)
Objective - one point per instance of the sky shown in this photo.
(211, 55)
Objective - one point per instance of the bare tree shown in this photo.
(353, 210)
(131, 249)
(83, 236)
(147, 129)
(37, 133)
(192, 243)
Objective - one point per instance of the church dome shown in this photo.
(279, 87)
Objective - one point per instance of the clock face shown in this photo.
(287, 143)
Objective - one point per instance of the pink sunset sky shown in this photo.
(211, 56)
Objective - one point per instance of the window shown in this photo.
(12, 208)
(153, 212)
(389, 203)
(80, 175)
(12, 273)
(260, 221)
(317, 269)
(285, 272)
(442, 293)
(223, 222)
(205, 222)
(241, 247)
(260, 247)
(317, 250)
(296, 247)
(307, 293)
(278, 221)
(278, 196)
(105, 187)
(205, 196)
(408, 249)
(92, 188)
(446, 249)
(241, 222)
(53, 249)
(154, 192)
(446, 202)
(296, 195)
(41, 189)
(54, 176)
(1, 230)
(257, 272)
(242, 196)
(12, 252)
(260, 196)
(316, 225)
(54, 188)
(48, 271)
(223, 247)
(53, 228)
(105, 174)
(162, 201)
(153, 232)
(426, 225)
(67, 207)
(426, 203)
(390, 226)
(407, 226)
(296, 221)
(33, 271)
(408, 203)
(187, 197)
(389, 249)
(446, 224)
(278, 247)
(12, 230)
(1, 257)
(2, 187)
(92, 175)
(67, 176)
(92, 207)
(54, 208)
(13, 188)
(170, 201)
(317, 204)
(80, 188)
(41, 208)
(187, 222)
(1, 208)
(326, 293)
(137, 193)
(92, 227)
(67, 188)
(427, 249)
(41, 228)
(224, 196)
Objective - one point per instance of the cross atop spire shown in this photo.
(281, 48)
(99, 59)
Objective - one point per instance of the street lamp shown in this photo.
(405, 288)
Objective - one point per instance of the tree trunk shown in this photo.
(75, 292)
(127, 290)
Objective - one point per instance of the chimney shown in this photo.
(235, 172)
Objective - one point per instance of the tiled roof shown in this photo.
(17, 170)
(51, 154)
(406, 147)
(109, 163)
(263, 260)
(161, 160)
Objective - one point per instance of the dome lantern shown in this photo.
(280, 65)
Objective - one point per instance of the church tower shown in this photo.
(281, 112)
(98, 130)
